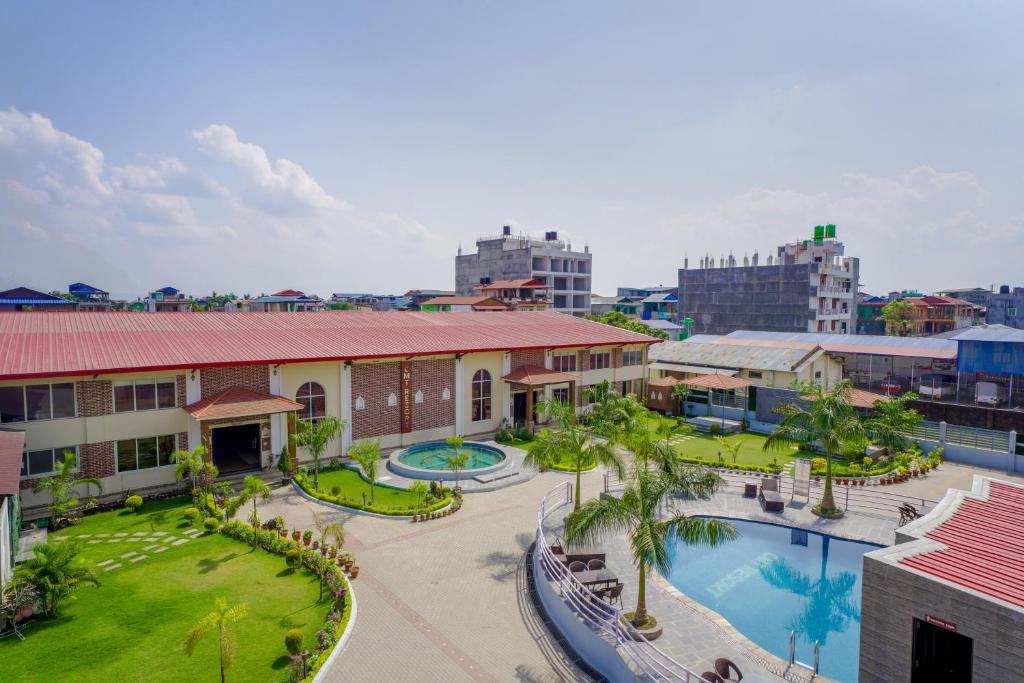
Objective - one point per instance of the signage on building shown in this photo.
(405, 404)
(940, 622)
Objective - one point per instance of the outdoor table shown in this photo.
(596, 577)
(583, 553)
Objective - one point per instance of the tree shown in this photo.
(62, 488)
(327, 531)
(54, 572)
(681, 392)
(221, 619)
(637, 513)
(189, 464)
(459, 458)
(253, 488)
(315, 436)
(831, 421)
(609, 411)
(419, 489)
(733, 447)
(891, 420)
(620, 320)
(366, 453)
(898, 316)
(570, 445)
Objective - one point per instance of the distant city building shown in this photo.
(930, 314)
(286, 301)
(599, 305)
(89, 298)
(370, 302)
(1006, 307)
(642, 292)
(869, 314)
(418, 296)
(168, 300)
(976, 295)
(659, 306)
(809, 286)
(524, 294)
(25, 299)
(510, 257)
(464, 303)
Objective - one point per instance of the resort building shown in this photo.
(124, 391)
(946, 603)
(89, 298)
(12, 445)
(286, 301)
(25, 299)
(810, 286)
(168, 300)
(514, 257)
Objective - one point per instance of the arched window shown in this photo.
(481, 395)
(313, 399)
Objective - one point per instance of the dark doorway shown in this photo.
(519, 406)
(237, 448)
(940, 655)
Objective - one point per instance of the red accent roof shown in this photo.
(289, 292)
(534, 375)
(54, 345)
(721, 382)
(984, 543)
(11, 446)
(667, 381)
(476, 301)
(526, 283)
(240, 402)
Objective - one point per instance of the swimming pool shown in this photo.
(430, 460)
(775, 579)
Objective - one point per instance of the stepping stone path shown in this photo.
(140, 557)
(84, 535)
(160, 549)
(104, 563)
(113, 540)
(112, 566)
(139, 533)
(127, 555)
(159, 533)
(101, 535)
(180, 541)
(192, 532)
(96, 540)
(121, 533)
(150, 547)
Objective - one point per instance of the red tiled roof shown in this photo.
(984, 543)
(464, 301)
(239, 402)
(11, 446)
(53, 345)
(667, 381)
(535, 375)
(528, 283)
(289, 292)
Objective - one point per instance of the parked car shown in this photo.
(937, 386)
(989, 393)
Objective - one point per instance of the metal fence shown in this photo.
(603, 619)
(973, 437)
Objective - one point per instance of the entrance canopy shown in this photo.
(720, 382)
(240, 402)
(536, 376)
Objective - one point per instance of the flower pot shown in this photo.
(307, 541)
(316, 545)
(331, 552)
(353, 571)
(296, 535)
(283, 533)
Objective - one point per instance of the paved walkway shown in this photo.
(448, 599)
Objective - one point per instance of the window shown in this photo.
(144, 394)
(600, 360)
(144, 454)
(481, 395)
(560, 394)
(1011, 312)
(37, 402)
(633, 386)
(313, 399)
(754, 374)
(43, 462)
(563, 362)
(632, 357)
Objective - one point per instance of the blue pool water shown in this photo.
(434, 455)
(775, 579)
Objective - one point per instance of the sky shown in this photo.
(253, 147)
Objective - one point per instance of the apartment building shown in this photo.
(516, 257)
(808, 286)
(168, 300)
(89, 298)
(1006, 307)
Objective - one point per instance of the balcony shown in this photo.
(834, 291)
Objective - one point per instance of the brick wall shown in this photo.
(179, 391)
(582, 361)
(183, 441)
(617, 357)
(432, 377)
(523, 358)
(374, 382)
(95, 398)
(97, 459)
(215, 380)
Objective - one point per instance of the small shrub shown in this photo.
(191, 514)
(716, 429)
(868, 462)
(335, 463)
(335, 491)
(133, 503)
(307, 535)
(818, 464)
(211, 523)
(293, 641)
(293, 558)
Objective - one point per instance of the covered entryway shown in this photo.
(940, 654)
(519, 401)
(528, 384)
(235, 448)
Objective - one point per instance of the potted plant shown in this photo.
(353, 571)
(331, 552)
(283, 533)
(296, 535)
(316, 545)
(307, 537)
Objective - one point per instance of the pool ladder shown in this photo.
(792, 654)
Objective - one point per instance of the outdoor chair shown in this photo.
(750, 490)
(712, 677)
(556, 548)
(595, 564)
(908, 513)
(577, 566)
(769, 496)
(723, 667)
(613, 593)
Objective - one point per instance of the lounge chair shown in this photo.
(595, 564)
(769, 496)
(712, 677)
(577, 566)
(723, 666)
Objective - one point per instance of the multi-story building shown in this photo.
(286, 301)
(464, 304)
(168, 300)
(415, 297)
(975, 295)
(869, 314)
(524, 294)
(89, 298)
(810, 286)
(511, 257)
(125, 391)
(1006, 307)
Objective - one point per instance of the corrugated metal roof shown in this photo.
(658, 297)
(695, 369)
(11, 446)
(988, 334)
(914, 347)
(50, 345)
(720, 355)
(37, 302)
(661, 324)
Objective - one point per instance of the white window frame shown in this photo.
(24, 402)
(310, 396)
(607, 356)
(135, 402)
(484, 400)
(637, 354)
(117, 455)
(57, 452)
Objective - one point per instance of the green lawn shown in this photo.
(131, 628)
(702, 445)
(561, 466)
(353, 486)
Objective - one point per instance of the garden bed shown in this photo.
(351, 489)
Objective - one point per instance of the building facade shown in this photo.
(25, 299)
(514, 257)
(126, 391)
(168, 300)
(1006, 307)
(809, 286)
(89, 298)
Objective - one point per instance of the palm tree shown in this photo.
(891, 420)
(610, 412)
(637, 513)
(328, 531)
(54, 572)
(571, 445)
(830, 421)
(221, 619)
(189, 464)
(316, 436)
(648, 446)
(62, 487)
(458, 459)
(367, 453)
(253, 488)
(733, 447)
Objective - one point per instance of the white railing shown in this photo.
(602, 618)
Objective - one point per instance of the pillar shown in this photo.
(206, 441)
(460, 396)
(346, 406)
(942, 433)
(572, 399)
(292, 449)
(1011, 448)
(529, 407)
(506, 390)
